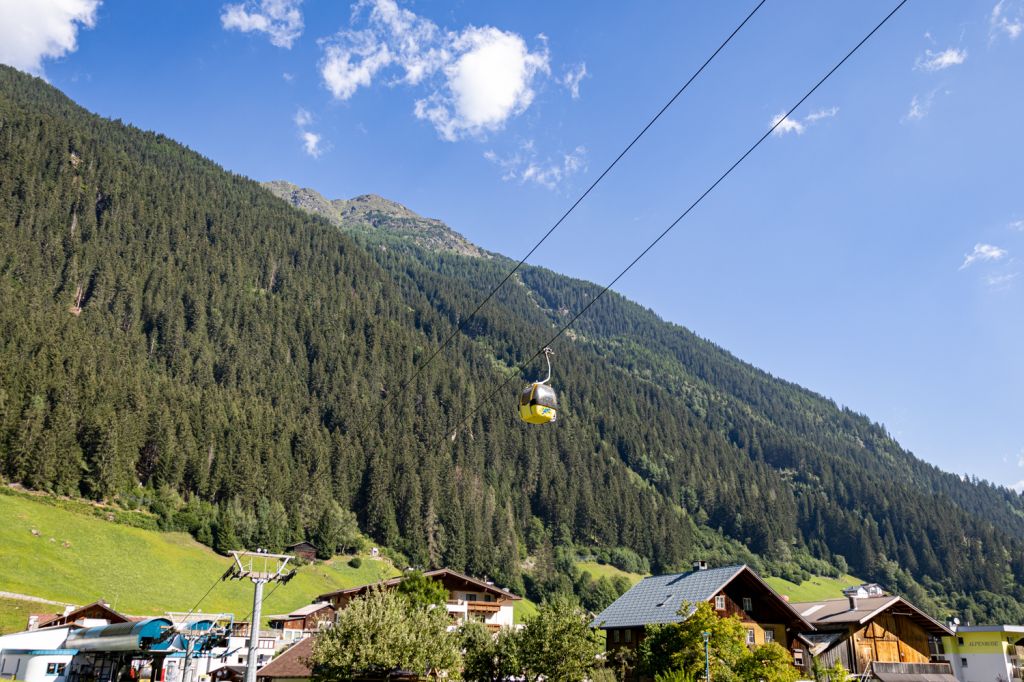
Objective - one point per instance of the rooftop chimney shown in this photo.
(853, 602)
(700, 565)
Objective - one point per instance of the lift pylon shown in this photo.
(261, 568)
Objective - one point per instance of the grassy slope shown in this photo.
(607, 570)
(140, 571)
(815, 589)
(14, 613)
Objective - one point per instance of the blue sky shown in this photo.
(873, 251)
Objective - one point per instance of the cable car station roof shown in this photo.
(152, 634)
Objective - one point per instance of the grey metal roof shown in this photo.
(831, 612)
(657, 599)
(838, 611)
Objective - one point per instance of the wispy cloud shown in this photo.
(1017, 225)
(479, 77)
(816, 116)
(937, 61)
(303, 118)
(920, 106)
(281, 20)
(525, 166)
(311, 141)
(1001, 282)
(32, 31)
(1001, 23)
(983, 253)
(783, 124)
(573, 76)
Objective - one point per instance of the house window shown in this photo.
(720, 602)
(798, 658)
(55, 668)
(769, 636)
(963, 662)
(615, 636)
(628, 636)
(748, 604)
(470, 597)
(960, 641)
(750, 636)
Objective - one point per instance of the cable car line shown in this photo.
(459, 328)
(723, 176)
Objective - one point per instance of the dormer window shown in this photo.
(720, 602)
(748, 604)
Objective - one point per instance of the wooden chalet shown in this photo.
(310, 618)
(303, 550)
(883, 637)
(731, 591)
(96, 613)
(469, 599)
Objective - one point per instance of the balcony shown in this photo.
(483, 606)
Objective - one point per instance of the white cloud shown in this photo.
(1017, 225)
(486, 85)
(919, 107)
(572, 78)
(1001, 282)
(34, 30)
(524, 166)
(937, 61)
(346, 69)
(302, 118)
(982, 253)
(287, 76)
(1001, 23)
(816, 116)
(311, 142)
(478, 77)
(1018, 486)
(785, 125)
(281, 20)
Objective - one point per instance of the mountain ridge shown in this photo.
(374, 212)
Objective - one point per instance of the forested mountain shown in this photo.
(173, 336)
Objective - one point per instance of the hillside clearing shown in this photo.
(78, 559)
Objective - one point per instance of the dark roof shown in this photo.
(290, 663)
(76, 613)
(838, 612)
(439, 574)
(657, 599)
(300, 544)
